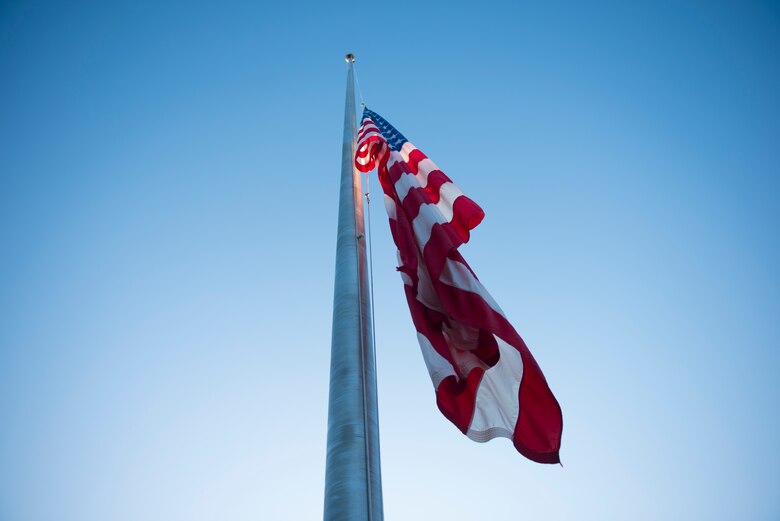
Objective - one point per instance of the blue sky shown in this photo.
(167, 229)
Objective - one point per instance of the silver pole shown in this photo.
(353, 482)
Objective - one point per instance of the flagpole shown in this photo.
(353, 483)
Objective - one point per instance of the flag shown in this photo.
(486, 380)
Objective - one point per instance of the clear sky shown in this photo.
(167, 238)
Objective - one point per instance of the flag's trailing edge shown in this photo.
(487, 382)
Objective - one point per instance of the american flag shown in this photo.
(486, 380)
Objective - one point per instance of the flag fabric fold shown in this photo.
(486, 380)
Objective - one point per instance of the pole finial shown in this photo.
(349, 58)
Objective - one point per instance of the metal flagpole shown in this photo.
(353, 482)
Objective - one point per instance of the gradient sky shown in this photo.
(167, 239)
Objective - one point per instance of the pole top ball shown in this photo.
(349, 58)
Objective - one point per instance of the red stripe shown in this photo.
(366, 127)
(368, 136)
(415, 156)
(419, 196)
(372, 148)
(455, 398)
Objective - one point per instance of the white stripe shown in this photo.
(448, 192)
(363, 160)
(390, 207)
(425, 167)
(368, 135)
(404, 276)
(456, 274)
(438, 366)
(367, 131)
(406, 149)
(401, 155)
(497, 405)
(425, 292)
(423, 223)
(362, 142)
(405, 183)
(464, 360)
(367, 124)
(408, 181)
(368, 128)
(430, 214)
(395, 157)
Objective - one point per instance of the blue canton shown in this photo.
(395, 140)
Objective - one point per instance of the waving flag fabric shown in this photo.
(487, 382)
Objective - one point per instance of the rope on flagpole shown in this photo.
(363, 339)
(360, 92)
(372, 352)
(369, 238)
(370, 242)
